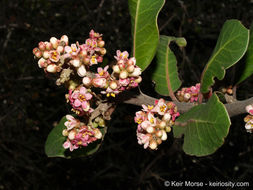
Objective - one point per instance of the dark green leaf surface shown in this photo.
(145, 31)
(55, 140)
(165, 73)
(204, 127)
(231, 46)
(248, 70)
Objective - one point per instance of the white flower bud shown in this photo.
(113, 85)
(41, 62)
(136, 73)
(75, 62)
(123, 74)
(87, 81)
(187, 96)
(164, 136)
(138, 80)
(103, 51)
(98, 134)
(54, 42)
(46, 54)
(166, 117)
(248, 108)
(65, 132)
(101, 43)
(130, 68)
(52, 68)
(116, 69)
(159, 133)
(81, 71)
(72, 135)
(153, 145)
(150, 129)
(60, 49)
(49, 46)
(65, 39)
(162, 124)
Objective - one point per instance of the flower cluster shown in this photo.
(80, 100)
(249, 119)
(126, 75)
(154, 121)
(72, 63)
(78, 134)
(57, 56)
(189, 94)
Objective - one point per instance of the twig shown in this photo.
(233, 109)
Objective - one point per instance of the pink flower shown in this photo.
(149, 108)
(79, 100)
(121, 55)
(72, 122)
(103, 73)
(99, 82)
(143, 139)
(124, 82)
(71, 51)
(249, 109)
(139, 117)
(69, 145)
(161, 107)
(54, 56)
(110, 92)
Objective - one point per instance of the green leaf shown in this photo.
(231, 46)
(248, 70)
(204, 127)
(55, 140)
(145, 31)
(165, 72)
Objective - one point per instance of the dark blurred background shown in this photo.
(31, 103)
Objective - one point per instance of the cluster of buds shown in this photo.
(50, 54)
(78, 134)
(249, 119)
(228, 90)
(56, 55)
(125, 75)
(189, 94)
(154, 122)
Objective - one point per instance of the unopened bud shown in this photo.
(113, 85)
(42, 46)
(103, 51)
(52, 68)
(159, 141)
(187, 96)
(230, 91)
(86, 60)
(150, 129)
(86, 81)
(159, 133)
(54, 42)
(130, 68)
(164, 136)
(49, 46)
(101, 43)
(72, 135)
(46, 54)
(65, 132)
(123, 74)
(75, 62)
(60, 49)
(138, 80)
(116, 69)
(166, 117)
(97, 134)
(168, 129)
(162, 124)
(42, 62)
(136, 73)
(65, 39)
(153, 144)
(83, 53)
(81, 71)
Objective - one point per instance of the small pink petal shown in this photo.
(77, 103)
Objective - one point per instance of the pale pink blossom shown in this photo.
(102, 73)
(121, 55)
(72, 122)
